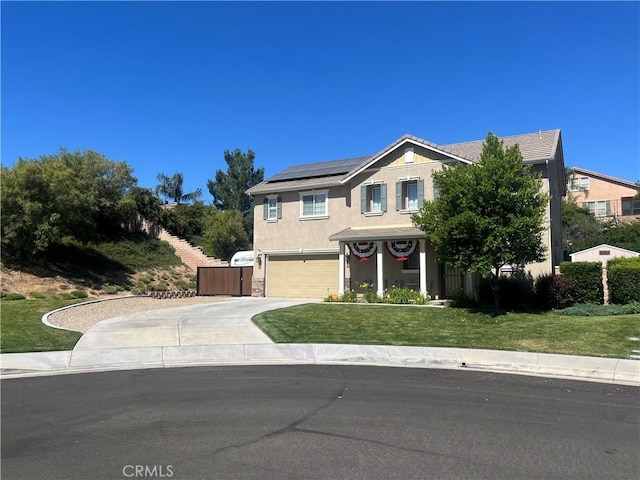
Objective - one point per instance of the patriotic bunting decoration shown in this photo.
(362, 250)
(401, 249)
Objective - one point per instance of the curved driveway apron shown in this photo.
(221, 323)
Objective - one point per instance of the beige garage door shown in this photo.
(306, 276)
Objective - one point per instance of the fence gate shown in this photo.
(224, 281)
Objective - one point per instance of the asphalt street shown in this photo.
(316, 422)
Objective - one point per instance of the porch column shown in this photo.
(423, 267)
(380, 269)
(341, 269)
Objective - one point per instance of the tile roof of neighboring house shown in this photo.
(534, 147)
(589, 173)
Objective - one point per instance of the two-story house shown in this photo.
(321, 228)
(606, 197)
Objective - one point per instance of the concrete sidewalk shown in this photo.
(222, 334)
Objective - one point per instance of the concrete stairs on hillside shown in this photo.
(191, 256)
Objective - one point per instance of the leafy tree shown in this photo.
(171, 188)
(578, 225)
(225, 234)
(76, 194)
(487, 215)
(186, 221)
(140, 203)
(229, 189)
(624, 235)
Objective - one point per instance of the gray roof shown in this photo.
(390, 233)
(534, 147)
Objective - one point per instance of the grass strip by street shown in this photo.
(605, 336)
(22, 330)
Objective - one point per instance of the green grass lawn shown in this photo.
(22, 330)
(452, 327)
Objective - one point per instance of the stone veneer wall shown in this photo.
(257, 287)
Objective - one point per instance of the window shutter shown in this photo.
(265, 208)
(383, 196)
(363, 199)
(420, 193)
(279, 207)
(398, 195)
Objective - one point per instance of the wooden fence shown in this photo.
(224, 281)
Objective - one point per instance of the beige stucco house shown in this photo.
(606, 197)
(321, 228)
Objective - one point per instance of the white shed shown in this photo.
(602, 253)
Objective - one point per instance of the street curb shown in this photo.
(594, 369)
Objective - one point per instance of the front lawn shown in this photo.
(452, 327)
(22, 330)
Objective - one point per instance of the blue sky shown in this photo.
(167, 87)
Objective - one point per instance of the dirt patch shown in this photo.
(48, 282)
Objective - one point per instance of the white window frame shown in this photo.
(579, 184)
(597, 207)
(405, 200)
(314, 194)
(272, 210)
(369, 188)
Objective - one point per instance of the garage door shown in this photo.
(306, 276)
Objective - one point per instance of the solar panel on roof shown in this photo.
(319, 169)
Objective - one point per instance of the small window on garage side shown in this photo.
(272, 208)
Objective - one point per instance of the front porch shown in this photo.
(382, 258)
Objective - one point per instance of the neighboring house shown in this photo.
(327, 227)
(606, 197)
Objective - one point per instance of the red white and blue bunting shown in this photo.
(362, 250)
(402, 249)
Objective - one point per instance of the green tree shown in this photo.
(487, 215)
(171, 188)
(578, 225)
(229, 189)
(225, 234)
(76, 194)
(140, 203)
(186, 220)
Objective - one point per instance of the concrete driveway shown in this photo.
(222, 323)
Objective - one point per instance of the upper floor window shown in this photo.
(373, 198)
(272, 208)
(579, 183)
(313, 204)
(409, 194)
(630, 206)
(599, 208)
